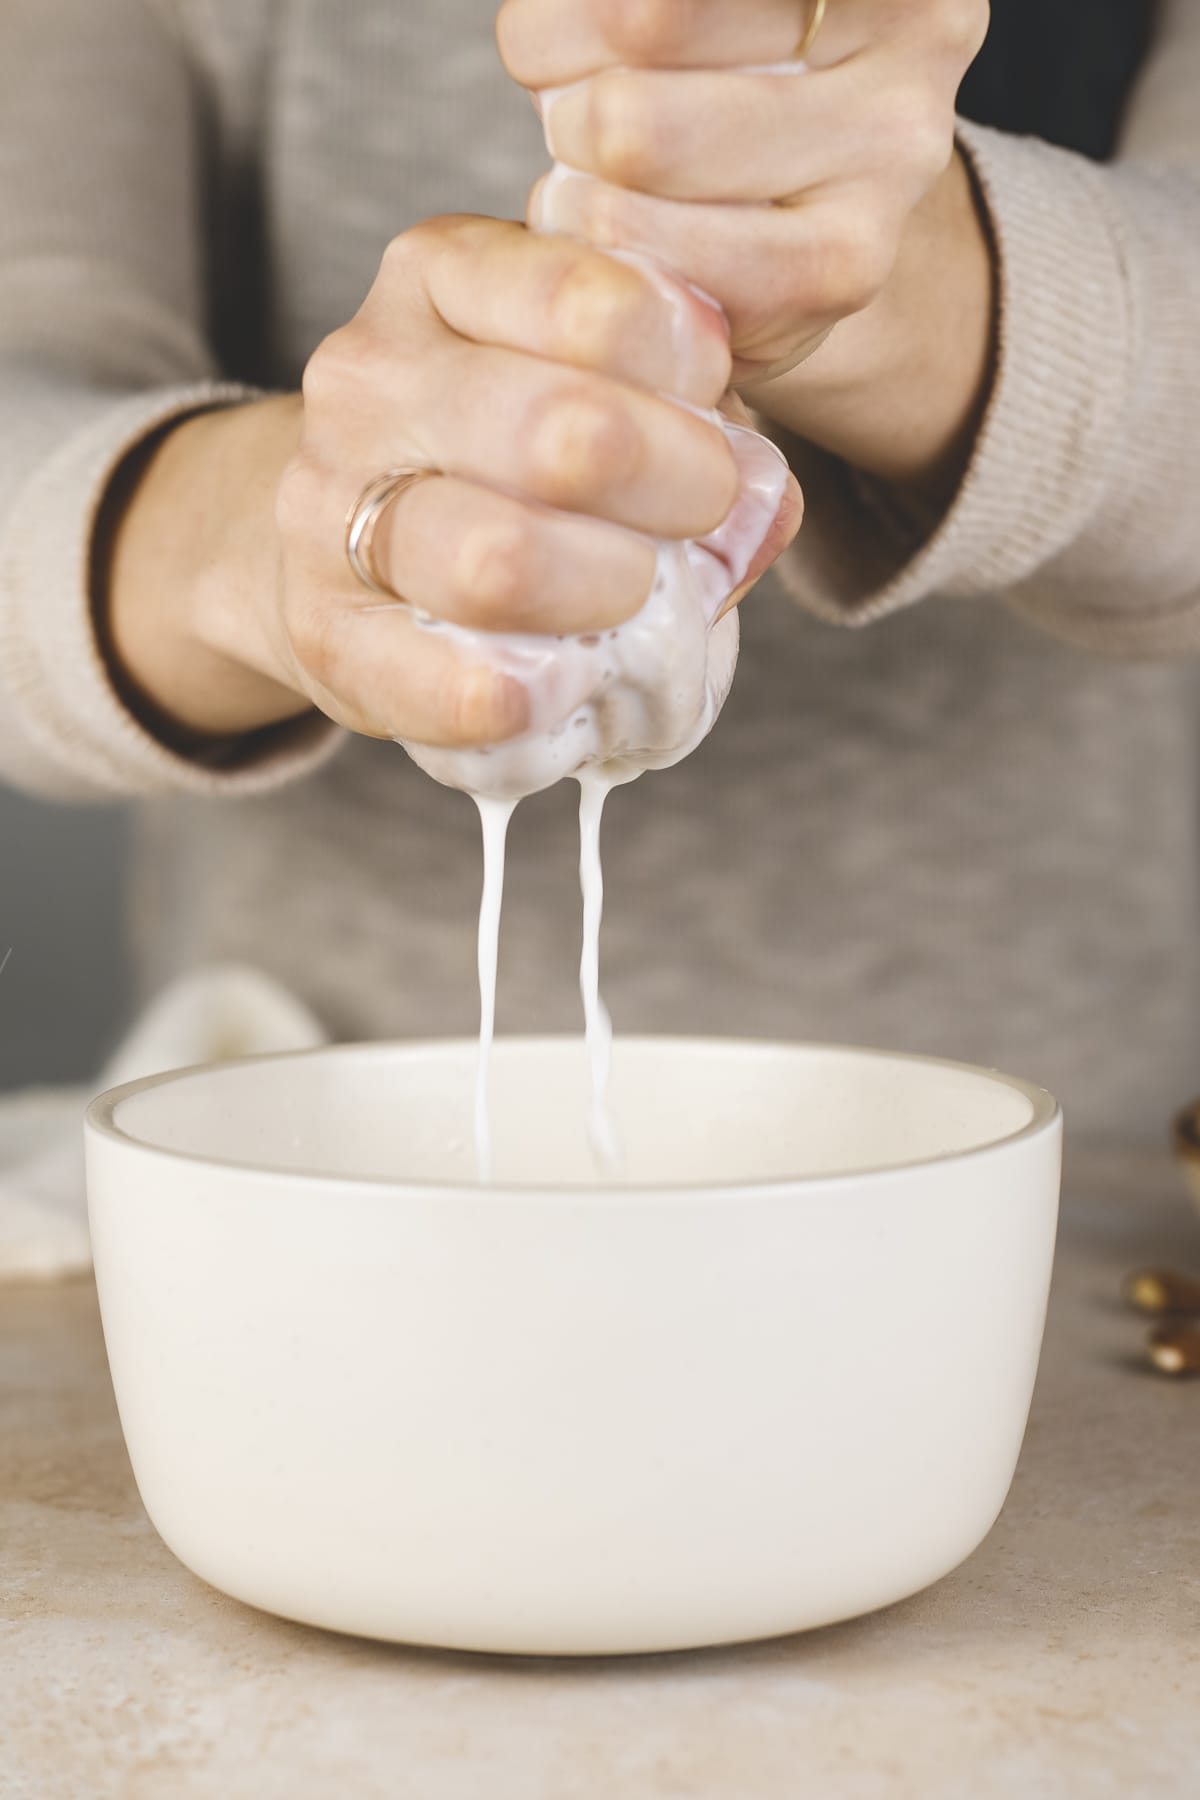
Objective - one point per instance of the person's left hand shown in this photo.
(668, 122)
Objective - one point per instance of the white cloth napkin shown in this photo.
(208, 1016)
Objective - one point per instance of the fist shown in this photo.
(690, 133)
(539, 379)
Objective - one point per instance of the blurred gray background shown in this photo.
(64, 990)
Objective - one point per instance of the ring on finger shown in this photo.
(810, 31)
(363, 517)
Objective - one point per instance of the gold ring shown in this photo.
(363, 517)
(810, 35)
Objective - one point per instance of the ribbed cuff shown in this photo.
(1045, 447)
(71, 736)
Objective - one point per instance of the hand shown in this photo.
(532, 373)
(666, 131)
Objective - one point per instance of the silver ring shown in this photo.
(364, 515)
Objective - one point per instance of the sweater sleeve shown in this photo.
(102, 342)
(1077, 504)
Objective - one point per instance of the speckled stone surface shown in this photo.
(1063, 1660)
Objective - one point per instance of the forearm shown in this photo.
(898, 389)
(184, 569)
(1076, 503)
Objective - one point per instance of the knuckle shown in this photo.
(623, 130)
(402, 251)
(318, 378)
(584, 443)
(492, 569)
(917, 128)
(509, 38)
(405, 265)
(644, 30)
(963, 25)
(526, 49)
(405, 258)
(853, 265)
(335, 367)
(449, 245)
(593, 304)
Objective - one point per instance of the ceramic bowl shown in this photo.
(775, 1376)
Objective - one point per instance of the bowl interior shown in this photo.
(688, 1112)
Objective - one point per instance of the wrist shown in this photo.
(185, 575)
(898, 389)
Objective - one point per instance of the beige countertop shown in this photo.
(1062, 1660)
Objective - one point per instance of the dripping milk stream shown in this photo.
(494, 816)
(604, 709)
(594, 788)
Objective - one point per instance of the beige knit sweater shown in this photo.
(970, 829)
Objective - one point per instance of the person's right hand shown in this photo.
(533, 373)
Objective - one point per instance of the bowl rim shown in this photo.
(100, 1121)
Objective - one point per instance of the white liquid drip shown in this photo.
(494, 816)
(604, 707)
(594, 789)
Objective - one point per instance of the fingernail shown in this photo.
(506, 707)
(552, 201)
(700, 337)
(735, 599)
(557, 104)
(488, 706)
(793, 507)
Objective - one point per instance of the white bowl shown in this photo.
(778, 1377)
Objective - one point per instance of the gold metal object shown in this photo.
(364, 515)
(810, 34)
(1163, 1291)
(1175, 1349)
